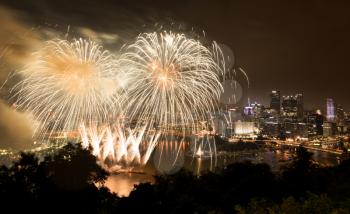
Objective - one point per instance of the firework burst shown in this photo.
(67, 83)
(173, 81)
(118, 145)
(163, 84)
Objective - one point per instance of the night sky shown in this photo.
(295, 46)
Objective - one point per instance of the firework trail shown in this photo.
(163, 84)
(68, 83)
(119, 146)
(174, 81)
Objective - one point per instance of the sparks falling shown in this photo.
(174, 81)
(119, 146)
(163, 84)
(67, 83)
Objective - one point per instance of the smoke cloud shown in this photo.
(17, 41)
(16, 129)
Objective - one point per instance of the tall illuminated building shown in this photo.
(292, 116)
(330, 110)
(292, 106)
(340, 113)
(315, 124)
(329, 129)
(300, 105)
(248, 110)
(289, 106)
(275, 102)
(340, 119)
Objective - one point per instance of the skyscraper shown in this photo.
(293, 106)
(315, 124)
(300, 105)
(275, 102)
(330, 110)
(289, 106)
(329, 129)
(340, 113)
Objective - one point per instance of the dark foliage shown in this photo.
(62, 183)
(302, 187)
(66, 183)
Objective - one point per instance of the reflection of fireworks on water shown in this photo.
(67, 83)
(203, 147)
(169, 155)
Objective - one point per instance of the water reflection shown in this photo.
(122, 184)
(171, 156)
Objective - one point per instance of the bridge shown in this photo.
(295, 144)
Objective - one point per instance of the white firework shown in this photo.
(164, 83)
(67, 83)
(119, 146)
(173, 81)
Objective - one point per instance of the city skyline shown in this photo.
(302, 51)
(267, 102)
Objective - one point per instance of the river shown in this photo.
(169, 158)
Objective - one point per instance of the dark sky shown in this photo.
(299, 46)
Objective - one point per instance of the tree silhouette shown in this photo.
(74, 168)
(64, 182)
(297, 177)
(71, 181)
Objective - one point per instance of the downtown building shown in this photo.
(284, 118)
(315, 124)
(267, 119)
(275, 100)
(292, 112)
(337, 121)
